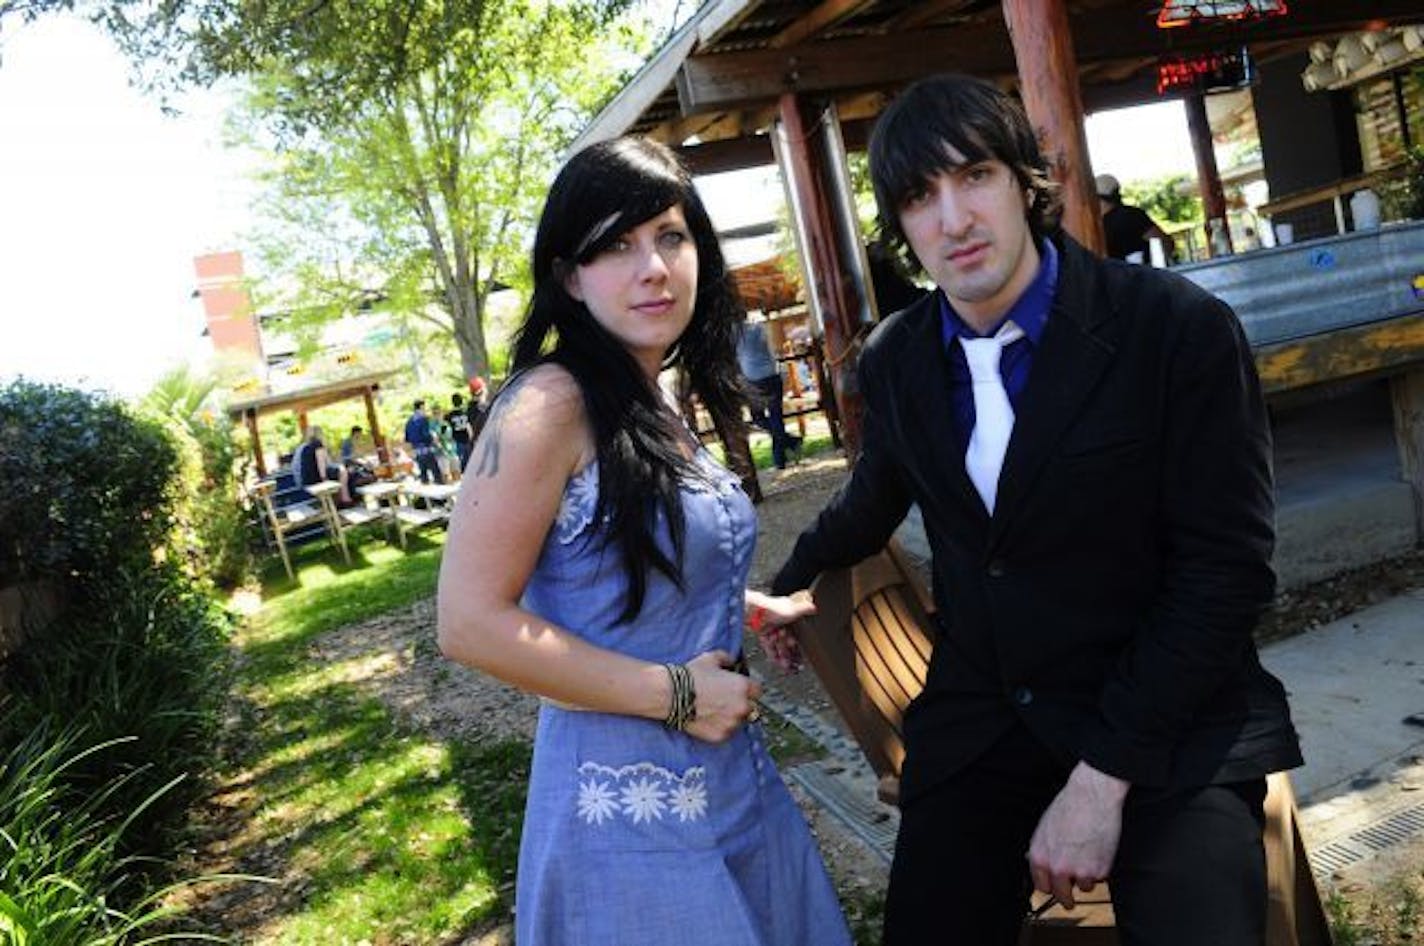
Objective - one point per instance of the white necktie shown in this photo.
(993, 414)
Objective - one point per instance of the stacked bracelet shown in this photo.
(683, 707)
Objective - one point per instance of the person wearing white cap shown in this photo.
(1126, 228)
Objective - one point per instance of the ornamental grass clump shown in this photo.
(62, 878)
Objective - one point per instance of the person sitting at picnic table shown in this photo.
(422, 444)
(311, 465)
(350, 444)
(616, 587)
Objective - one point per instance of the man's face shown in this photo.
(969, 228)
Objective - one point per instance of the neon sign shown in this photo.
(1204, 72)
(1188, 12)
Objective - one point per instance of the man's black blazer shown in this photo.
(1109, 602)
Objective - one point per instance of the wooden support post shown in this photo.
(835, 290)
(1208, 178)
(1048, 81)
(377, 437)
(1408, 393)
(250, 416)
(302, 423)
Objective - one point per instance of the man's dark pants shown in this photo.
(1190, 868)
(428, 465)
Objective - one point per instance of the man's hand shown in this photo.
(1076, 839)
(770, 617)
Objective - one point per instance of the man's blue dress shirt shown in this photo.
(1029, 312)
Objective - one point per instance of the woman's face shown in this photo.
(642, 288)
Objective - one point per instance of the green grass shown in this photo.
(396, 837)
(817, 441)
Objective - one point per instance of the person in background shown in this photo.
(311, 464)
(445, 453)
(460, 430)
(421, 440)
(478, 409)
(1087, 445)
(760, 368)
(1127, 229)
(598, 556)
(350, 444)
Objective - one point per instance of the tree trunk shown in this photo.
(467, 311)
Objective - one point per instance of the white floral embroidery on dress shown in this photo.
(576, 508)
(596, 802)
(642, 792)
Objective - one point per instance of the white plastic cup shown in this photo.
(1285, 234)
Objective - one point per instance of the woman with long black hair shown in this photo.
(598, 557)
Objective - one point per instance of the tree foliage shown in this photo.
(1169, 199)
(420, 196)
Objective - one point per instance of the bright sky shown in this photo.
(104, 202)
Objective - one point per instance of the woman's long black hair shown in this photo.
(600, 194)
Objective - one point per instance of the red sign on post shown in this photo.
(1205, 72)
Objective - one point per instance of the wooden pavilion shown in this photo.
(746, 82)
(304, 400)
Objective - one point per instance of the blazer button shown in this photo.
(1023, 696)
(997, 568)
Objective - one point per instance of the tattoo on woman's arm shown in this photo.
(486, 459)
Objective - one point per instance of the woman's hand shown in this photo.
(725, 699)
(771, 617)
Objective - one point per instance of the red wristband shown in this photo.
(756, 618)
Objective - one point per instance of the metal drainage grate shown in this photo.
(1370, 840)
(842, 784)
(851, 802)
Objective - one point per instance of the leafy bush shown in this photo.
(86, 484)
(214, 531)
(136, 658)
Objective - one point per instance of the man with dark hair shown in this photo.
(459, 421)
(421, 441)
(1087, 444)
(350, 445)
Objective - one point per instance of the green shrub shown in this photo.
(136, 659)
(86, 484)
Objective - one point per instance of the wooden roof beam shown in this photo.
(718, 82)
(826, 14)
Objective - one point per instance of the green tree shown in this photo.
(1169, 199)
(422, 197)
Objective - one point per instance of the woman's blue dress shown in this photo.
(634, 834)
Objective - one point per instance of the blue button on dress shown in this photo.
(634, 834)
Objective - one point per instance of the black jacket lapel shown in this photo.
(1077, 346)
(932, 415)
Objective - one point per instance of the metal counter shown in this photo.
(1320, 285)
